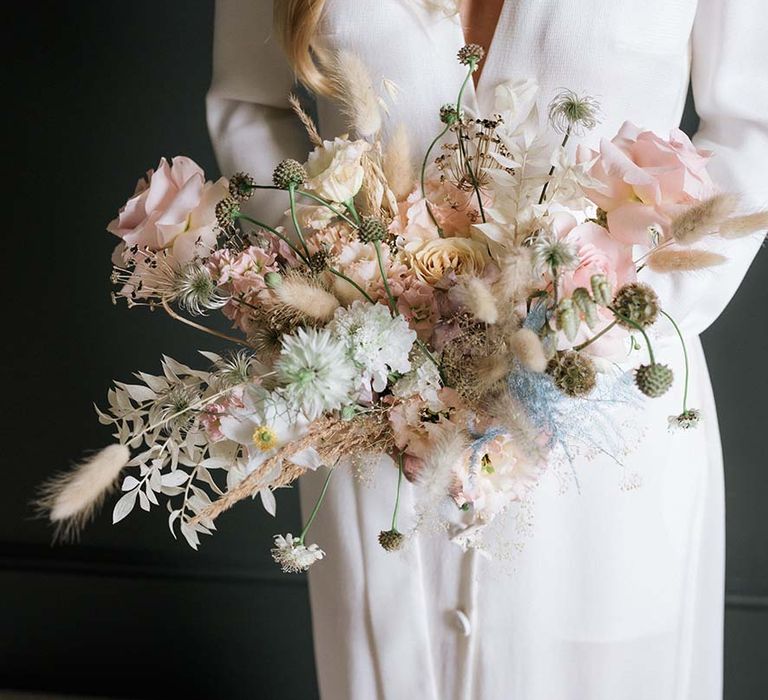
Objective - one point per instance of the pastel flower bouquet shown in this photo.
(464, 322)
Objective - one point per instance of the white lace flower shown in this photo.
(315, 372)
(377, 343)
(293, 556)
(423, 379)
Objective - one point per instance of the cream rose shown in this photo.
(433, 259)
(335, 169)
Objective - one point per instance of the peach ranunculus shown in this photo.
(433, 259)
(335, 169)
(640, 179)
(174, 209)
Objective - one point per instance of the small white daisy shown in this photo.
(293, 556)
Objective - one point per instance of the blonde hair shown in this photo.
(295, 26)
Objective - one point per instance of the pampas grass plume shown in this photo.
(71, 499)
(354, 89)
(527, 348)
(306, 298)
(398, 167)
(703, 219)
(683, 260)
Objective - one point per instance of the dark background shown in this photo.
(95, 93)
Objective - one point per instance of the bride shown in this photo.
(618, 592)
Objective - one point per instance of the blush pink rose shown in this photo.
(173, 209)
(641, 179)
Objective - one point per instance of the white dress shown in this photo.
(617, 593)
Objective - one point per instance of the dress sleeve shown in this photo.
(730, 89)
(250, 122)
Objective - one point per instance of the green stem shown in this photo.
(685, 358)
(397, 497)
(274, 232)
(341, 275)
(638, 327)
(423, 176)
(318, 503)
(350, 205)
(295, 219)
(328, 205)
(462, 150)
(423, 347)
(552, 168)
(390, 296)
(583, 345)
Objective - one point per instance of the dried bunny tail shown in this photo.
(438, 475)
(354, 90)
(683, 260)
(703, 219)
(345, 292)
(740, 226)
(305, 297)
(306, 120)
(477, 296)
(398, 166)
(527, 348)
(71, 499)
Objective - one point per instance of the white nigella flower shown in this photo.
(377, 343)
(294, 556)
(685, 421)
(315, 372)
(422, 380)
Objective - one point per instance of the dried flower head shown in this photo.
(572, 113)
(687, 420)
(195, 290)
(572, 372)
(289, 173)
(372, 229)
(636, 303)
(293, 555)
(318, 262)
(391, 540)
(448, 114)
(654, 380)
(551, 255)
(227, 212)
(471, 55)
(241, 186)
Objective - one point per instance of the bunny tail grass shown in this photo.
(71, 499)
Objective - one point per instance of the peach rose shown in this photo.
(173, 209)
(434, 259)
(640, 179)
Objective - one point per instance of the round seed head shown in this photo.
(637, 303)
(471, 54)
(653, 380)
(572, 373)
(241, 186)
(372, 229)
(227, 211)
(289, 173)
(391, 540)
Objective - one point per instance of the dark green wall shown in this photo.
(98, 91)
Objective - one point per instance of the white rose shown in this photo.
(335, 169)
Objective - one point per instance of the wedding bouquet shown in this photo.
(463, 323)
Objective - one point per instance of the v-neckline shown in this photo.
(477, 89)
(488, 49)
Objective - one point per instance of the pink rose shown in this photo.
(173, 208)
(640, 179)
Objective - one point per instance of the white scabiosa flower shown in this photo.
(293, 555)
(687, 420)
(315, 371)
(377, 343)
(423, 380)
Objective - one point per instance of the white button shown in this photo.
(466, 627)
